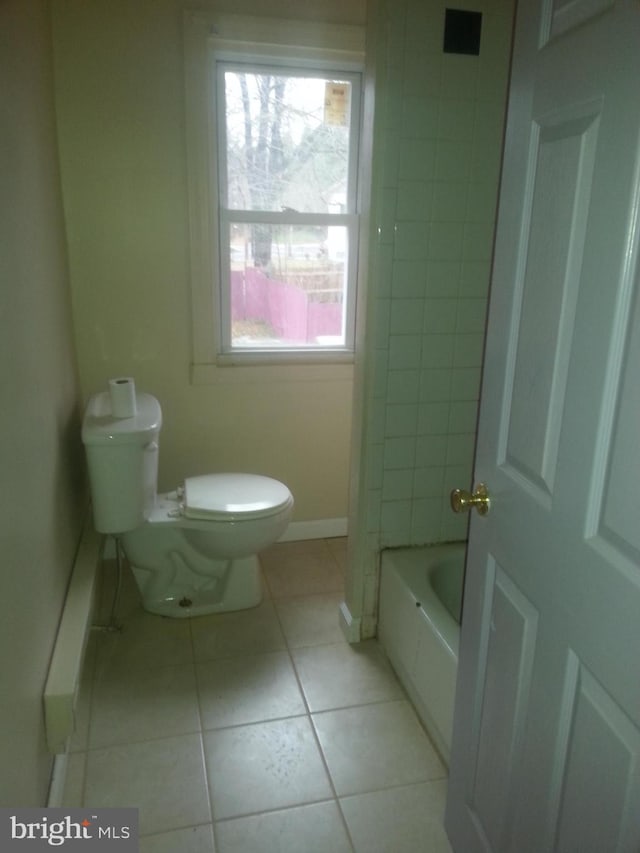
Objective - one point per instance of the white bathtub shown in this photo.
(418, 626)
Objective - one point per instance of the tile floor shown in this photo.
(261, 730)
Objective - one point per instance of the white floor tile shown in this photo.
(341, 674)
(399, 820)
(195, 839)
(248, 689)
(142, 704)
(164, 779)
(310, 620)
(376, 746)
(243, 632)
(317, 828)
(300, 548)
(292, 571)
(146, 640)
(74, 780)
(338, 548)
(257, 765)
(264, 766)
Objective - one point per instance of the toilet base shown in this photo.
(237, 587)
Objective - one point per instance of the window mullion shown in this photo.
(289, 217)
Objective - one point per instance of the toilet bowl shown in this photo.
(192, 551)
(188, 563)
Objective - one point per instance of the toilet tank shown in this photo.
(122, 456)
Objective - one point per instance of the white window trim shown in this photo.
(237, 34)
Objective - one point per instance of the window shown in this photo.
(273, 134)
(288, 229)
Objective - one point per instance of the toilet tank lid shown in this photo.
(234, 496)
(100, 427)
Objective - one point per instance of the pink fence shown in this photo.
(285, 308)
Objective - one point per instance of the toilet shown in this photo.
(194, 550)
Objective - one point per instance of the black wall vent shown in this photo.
(462, 32)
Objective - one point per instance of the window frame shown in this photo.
(301, 46)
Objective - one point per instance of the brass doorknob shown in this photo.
(462, 501)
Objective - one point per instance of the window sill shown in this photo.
(284, 356)
(264, 368)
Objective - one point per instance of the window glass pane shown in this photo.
(287, 285)
(287, 142)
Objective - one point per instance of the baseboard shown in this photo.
(65, 669)
(350, 624)
(321, 528)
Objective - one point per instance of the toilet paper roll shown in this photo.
(123, 397)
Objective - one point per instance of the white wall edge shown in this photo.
(321, 528)
(58, 781)
(349, 624)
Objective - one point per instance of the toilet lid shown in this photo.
(234, 496)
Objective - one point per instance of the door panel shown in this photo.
(565, 16)
(546, 743)
(505, 691)
(561, 156)
(598, 767)
(618, 524)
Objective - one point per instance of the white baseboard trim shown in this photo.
(65, 669)
(350, 625)
(321, 528)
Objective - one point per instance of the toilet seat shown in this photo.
(233, 497)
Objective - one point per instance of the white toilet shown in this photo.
(192, 551)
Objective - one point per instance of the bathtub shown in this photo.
(419, 628)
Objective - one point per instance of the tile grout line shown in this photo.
(309, 716)
(306, 715)
(203, 751)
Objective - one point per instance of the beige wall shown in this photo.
(120, 102)
(43, 493)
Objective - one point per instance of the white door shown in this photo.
(546, 747)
